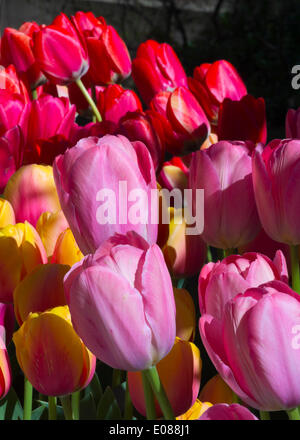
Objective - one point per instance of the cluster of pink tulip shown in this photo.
(74, 290)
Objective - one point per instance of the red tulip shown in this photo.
(60, 51)
(156, 68)
(243, 120)
(105, 48)
(292, 123)
(10, 81)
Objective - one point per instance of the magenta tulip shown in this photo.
(255, 346)
(122, 303)
(292, 123)
(219, 282)
(224, 171)
(223, 411)
(97, 170)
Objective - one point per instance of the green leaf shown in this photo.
(108, 408)
(94, 388)
(37, 413)
(88, 408)
(10, 407)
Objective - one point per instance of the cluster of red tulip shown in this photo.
(74, 290)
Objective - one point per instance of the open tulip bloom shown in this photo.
(138, 221)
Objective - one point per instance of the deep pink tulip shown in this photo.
(13, 111)
(157, 68)
(115, 309)
(105, 48)
(224, 171)
(11, 154)
(7, 321)
(96, 164)
(185, 125)
(114, 102)
(292, 123)
(243, 120)
(138, 126)
(174, 174)
(277, 188)
(212, 83)
(5, 370)
(60, 51)
(223, 411)
(255, 346)
(219, 282)
(11, 81)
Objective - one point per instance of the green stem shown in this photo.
(264, 415)
(149, 398)
(89, 99)
(51, 408)
(116, 378)
(294, 251)
(34, 94)
(75, 405)
(27, 399)
(293, 414)
(228, 252)
(67, 407)
(128, 412)
(209, 255)
(180, 283)
(159, 392)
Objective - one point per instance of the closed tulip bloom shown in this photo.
(10, 80)
(292, 123)
(157, 68)
(183, 361)
(243, 120)
(219, 282)
(276, 188)
(174, 174)
(5, 370)
(105, 47)
(51, 354)
(66, 250)
(11, 154)
(212, 83)
(14, 110)
(31, 191)
(7, 321)
(195, 411)
(60, 51)
(49, 226)
(217, 391)
(109, 161)
(185, 315)
(21, 250)
(115, 310)
(40, 290)
(228, 412)
(7, 215)
(224, 171)
(254, 354)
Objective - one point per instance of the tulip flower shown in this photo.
(60, 51)
(7, 322)
(13, 111)
(21, 250)
(16, 49)
(230, 215)
(49, 226)
(227, 412)
(40, 290)
(115, 310)
(185, 315)
(7, 215)
(292, 123)
(109, 161)
(105, 48)
(138, 126)
(114, 102)
(10, 81)
(31, 191)
(212, 83)
(195, 411)
(219, 282)
(243, 120)
(5, 370)
(255, 346)
(182, 361)
(66, 250)
(51, 354)
(11, 154)
(185, 126)
(174, 174)
(217, 391)
(157, 68)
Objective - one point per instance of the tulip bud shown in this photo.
(217, 391)
(228, 412)
(51, 355)
(49, 226)
(7, 215)
(66, 249)
(31, 191)
(185, 315)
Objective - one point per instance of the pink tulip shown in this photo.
(292, 123)
(212, 83)
(13, 111)
(174, 174)
(5, 370)
(11, 154)
(122, 304)
(276, 187)
(219, 282)
(96, 164)
(11, 81)
(156, 68)
(7, 321)
(255, 346)
(224, 171)
(223, 411)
